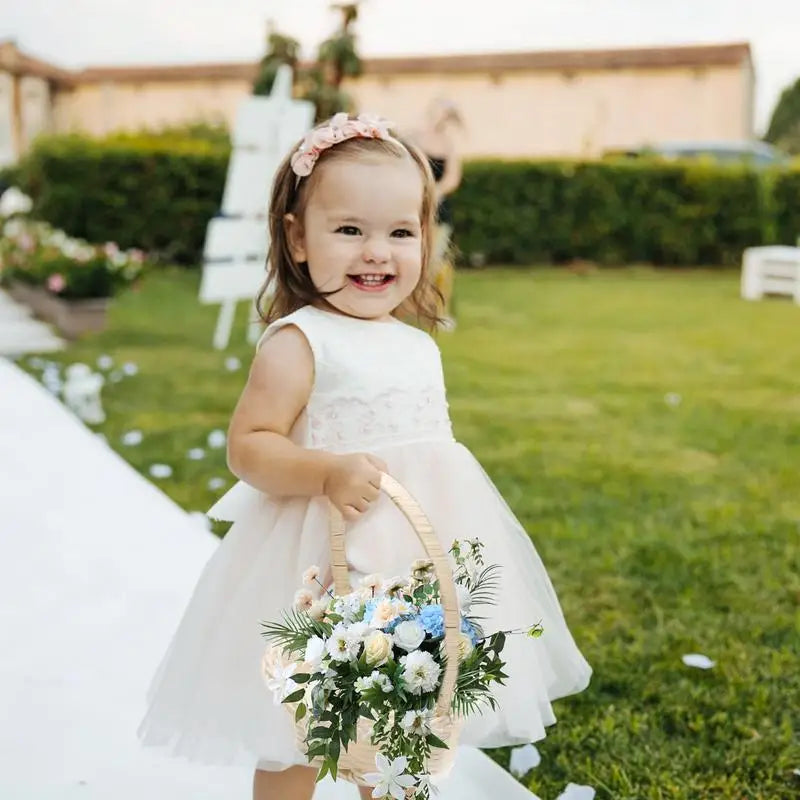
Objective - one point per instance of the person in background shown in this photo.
(436, 138)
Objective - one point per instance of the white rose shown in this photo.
(409, 635)
(315, 649)
(377, 649)
(383, 614)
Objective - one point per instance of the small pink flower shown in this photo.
(27, 242)
(56, 283)
(111, 249)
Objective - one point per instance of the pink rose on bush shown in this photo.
(56, 283)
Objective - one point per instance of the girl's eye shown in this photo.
(402, 233)
(348, 230)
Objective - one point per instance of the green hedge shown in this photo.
(158, 193)
(611, 213)
(151, 193)
(786, 196)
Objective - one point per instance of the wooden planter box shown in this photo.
(72, 317)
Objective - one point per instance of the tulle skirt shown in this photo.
(208, 700)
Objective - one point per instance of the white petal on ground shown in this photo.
(672, 399)
(524, 759)
(215, 484)
(196, 454)
(116, 376)
(575, 791)
(132, 438)
(160, 470)
(232, 363)
(105, 362)
(130, 369)
(698, 660)
(217, 439)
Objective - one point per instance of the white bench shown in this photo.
(771, 270)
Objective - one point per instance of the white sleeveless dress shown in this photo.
(378, 388)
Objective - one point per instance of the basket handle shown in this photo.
(447, 589)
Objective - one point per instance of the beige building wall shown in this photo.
(36, 109)
(551, 104)
(569, 114)
(100, 108)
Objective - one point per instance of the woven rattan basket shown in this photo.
(360, 755)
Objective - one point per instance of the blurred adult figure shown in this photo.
(437, 138)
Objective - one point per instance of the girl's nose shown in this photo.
(376, 251)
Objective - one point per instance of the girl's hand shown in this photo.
(352, 482)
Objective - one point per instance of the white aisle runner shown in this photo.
(96, 566)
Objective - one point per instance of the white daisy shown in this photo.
(341, 645)
(417, 722)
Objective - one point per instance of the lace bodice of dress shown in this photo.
(375, 383)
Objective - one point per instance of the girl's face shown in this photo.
(361, 233)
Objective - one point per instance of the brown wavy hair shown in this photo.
(288, 285)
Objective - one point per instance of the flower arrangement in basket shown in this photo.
(384, 675)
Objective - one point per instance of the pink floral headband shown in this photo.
(337, 129)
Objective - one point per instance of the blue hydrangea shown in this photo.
(468, 628)
(369, 609)
(432, 619)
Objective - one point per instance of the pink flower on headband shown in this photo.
(337, 129)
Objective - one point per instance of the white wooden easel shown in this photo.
(236, 243)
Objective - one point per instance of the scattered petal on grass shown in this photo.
(201, 519)
(105, 362)
(524, 759)
(36, 362)
(232, 364)
(116, 376)
(217, 439)
(160, 470)
(129, 368)
(132, 438)
(673, 399)
(698, 660)
(575, 791)
(196, 454)
(215, 484)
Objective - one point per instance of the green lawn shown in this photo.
(645, 427)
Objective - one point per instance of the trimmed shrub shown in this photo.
(786, 198)
(158, 192)
(150, 193)
(610, 213)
